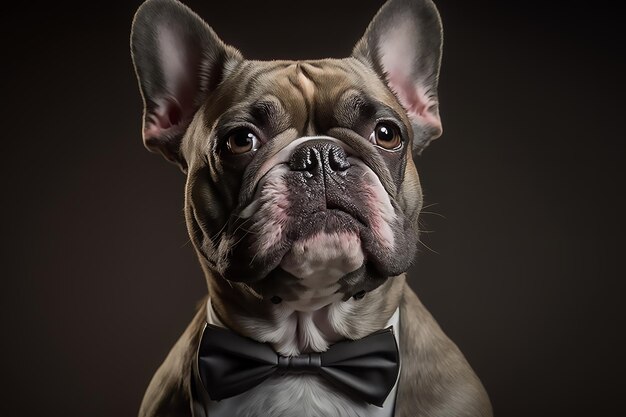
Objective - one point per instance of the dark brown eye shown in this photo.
(386, 136)
(242, 141)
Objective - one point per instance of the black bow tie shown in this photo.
(229, 364)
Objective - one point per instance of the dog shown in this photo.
(302, 202)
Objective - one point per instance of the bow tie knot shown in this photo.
(307, 363)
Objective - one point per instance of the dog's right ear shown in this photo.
(403, 46)
(179, 61)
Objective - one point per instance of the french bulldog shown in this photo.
(302, 202)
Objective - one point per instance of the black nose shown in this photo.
(319, 155)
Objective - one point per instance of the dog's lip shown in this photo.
(335, 209)
(356, 224)
(249, 208)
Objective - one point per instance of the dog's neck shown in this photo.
(291, 332)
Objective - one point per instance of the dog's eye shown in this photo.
(386, 136)
(242, 141)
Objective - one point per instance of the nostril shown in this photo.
(304, 159)
(337, 159)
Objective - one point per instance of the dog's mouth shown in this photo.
(262, 242)
(348, 214)
(284, 215)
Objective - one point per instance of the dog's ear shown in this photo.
(178, 60)
(403, 45)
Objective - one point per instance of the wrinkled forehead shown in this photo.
(311, 96)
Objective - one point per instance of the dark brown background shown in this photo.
(524, 194)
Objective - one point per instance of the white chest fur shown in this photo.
(315, 318)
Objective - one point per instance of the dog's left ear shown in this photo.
(403, 45)
(179, 61)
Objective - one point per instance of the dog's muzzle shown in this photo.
(319, 220)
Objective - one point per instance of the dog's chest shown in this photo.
(293, 396)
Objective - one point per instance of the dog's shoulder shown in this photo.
(436, 379)
(168, 392)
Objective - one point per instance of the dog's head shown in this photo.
(295, 170)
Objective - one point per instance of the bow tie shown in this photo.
(230, 364)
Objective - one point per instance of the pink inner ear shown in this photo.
(175, 104)
(166, 115)
(414, 100)
(399, 54)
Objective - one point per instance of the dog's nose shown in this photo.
(319, 155)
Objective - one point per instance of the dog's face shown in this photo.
(298, 172)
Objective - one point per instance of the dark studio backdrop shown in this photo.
(521, 265)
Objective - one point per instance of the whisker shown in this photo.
(428, 247)
(240, 239)
(240, 226)
(219, 231)
(433, 214)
